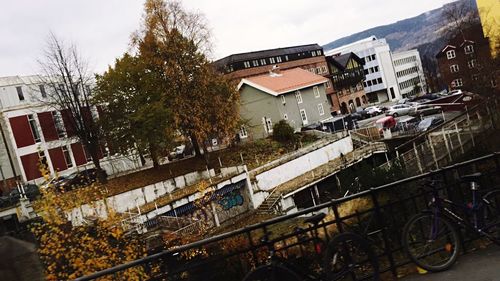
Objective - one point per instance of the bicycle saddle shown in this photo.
(472, 177)
(315, 219)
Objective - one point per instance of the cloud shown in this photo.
(101, 29)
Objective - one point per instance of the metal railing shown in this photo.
(230, 255)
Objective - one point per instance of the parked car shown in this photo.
(424, 110)
(398, 110)
(374, 110)
(360, 115)
(180, 152)
(74, 180)
(429, 122)
(407, 124)
(403, 100)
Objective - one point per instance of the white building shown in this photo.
(381, 83)
(34, 131)
(409, 73)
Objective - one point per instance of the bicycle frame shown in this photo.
(444, 207)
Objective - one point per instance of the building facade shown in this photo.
(347, 75)
(34, 132)
(409, 73)
(294, 95)
(308, 57)
(463, 60)
(381, 83)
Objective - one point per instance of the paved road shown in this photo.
(483, 265)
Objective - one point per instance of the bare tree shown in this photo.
(460, 16)
(70, 81)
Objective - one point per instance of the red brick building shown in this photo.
(308, 57)
(463, 59)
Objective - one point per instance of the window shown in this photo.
(303, 116)
(20, 94)
(469, 49)
(328, 84)
(285, 116)
(472, 63)
(318, 52)
(454, 68)
(320, 109)
(373, 57)
(34, 128)
(42, 91)
(58, 122)
(323, 69)
(298, 97)
(243, 132)
(366, 71)
(379, 80)
(42, 158)
(311, 70)
(283, 100)
(286, 58)
(369, 83)
(246, 64)
(316, 91)
(318, 70)
(263, 62)
(87, 154)
(457, 83)
(255, 63)
(313, 53)
(268, 125)
(376, 68)
(278, 59)
(271, 60)
(450, 54)
(67, 156)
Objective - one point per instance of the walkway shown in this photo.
(482, 265)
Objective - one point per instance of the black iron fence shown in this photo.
(378, 213)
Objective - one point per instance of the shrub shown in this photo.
(283, 132)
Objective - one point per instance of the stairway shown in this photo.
(266, 208)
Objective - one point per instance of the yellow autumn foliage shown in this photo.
(69, 251)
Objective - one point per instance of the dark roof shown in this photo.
(265, 54)
(341, 61)
(473, 35)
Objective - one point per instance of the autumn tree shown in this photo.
(70, 82)
(203, 103)
(70, 250)
(134, 118)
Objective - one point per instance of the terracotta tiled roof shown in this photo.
(285, 81)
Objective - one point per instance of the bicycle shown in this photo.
(431, 238)
(348, 256)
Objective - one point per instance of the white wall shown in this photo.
(292, 169)
(128, 201)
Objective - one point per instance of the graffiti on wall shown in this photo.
(231, 200)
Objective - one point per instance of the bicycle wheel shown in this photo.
(491, 206)
(350, 257)
(431, 242)
(271, 272)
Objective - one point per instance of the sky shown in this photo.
(101, 29)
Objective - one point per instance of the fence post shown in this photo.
(429, 139)
(381, 223)
(415, 150)
(446, 143)
(459, 138)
